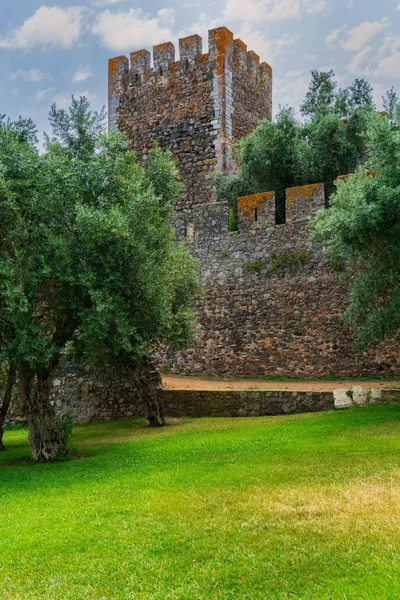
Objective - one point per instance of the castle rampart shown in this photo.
(197, 106)
(272, 304)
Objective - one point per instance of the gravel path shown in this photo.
(176, 382)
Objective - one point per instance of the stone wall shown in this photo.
(197, 106)
(229, 403)
(272, 305)
(90, 395)
(90, 403)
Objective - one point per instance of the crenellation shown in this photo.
(256, 211)
(303, 202)
(220, 48)
(253, 64)
(190, 48)
(140, 64)
(240, 54)
(163, 57)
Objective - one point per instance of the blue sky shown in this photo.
(50, 50)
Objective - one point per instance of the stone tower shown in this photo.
(197, 106)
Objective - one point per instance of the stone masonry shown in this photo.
(272, 305)
(197, 106)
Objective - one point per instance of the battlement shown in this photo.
(302, 204)
(223, 50)
(198, 106)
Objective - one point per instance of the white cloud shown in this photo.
(253, 11)
(250, 11)
(50, 25)
(42, 94)
(256, 41)
(391, 44)
(261, 10)
(293, 87)
(82, 74)
(363, 34)
(32, 75)
(334, 36)
(316, 6)
(284, 9)
(127, 30)
(389, 66)
(286, 41)
(356, 65)
(106, 2)
(357, 38)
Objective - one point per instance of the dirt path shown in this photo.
(176, 382)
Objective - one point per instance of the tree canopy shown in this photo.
(361, 229)
(287, 152)
(89, 262)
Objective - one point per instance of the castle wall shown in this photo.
(197, 106)
(252, 91)
(272, 306)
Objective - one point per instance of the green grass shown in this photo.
(299, 507)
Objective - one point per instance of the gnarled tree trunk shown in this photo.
(46, 437)
(6, 401)
(147, 381)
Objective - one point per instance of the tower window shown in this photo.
(255, 214)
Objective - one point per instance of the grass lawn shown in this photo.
(299, 507)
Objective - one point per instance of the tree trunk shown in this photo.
(6, 401)
(147, 381)
(46, 437)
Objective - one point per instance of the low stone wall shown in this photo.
(229, 403)
(95, 397)
(92, 400)
(90, 396)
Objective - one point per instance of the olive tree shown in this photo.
(361, 229)
(91, 265)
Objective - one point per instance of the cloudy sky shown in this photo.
(50, 50)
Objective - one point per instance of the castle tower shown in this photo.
(197, 106)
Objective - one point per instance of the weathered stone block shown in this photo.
(342, 399)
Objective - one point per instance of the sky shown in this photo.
(51, 50)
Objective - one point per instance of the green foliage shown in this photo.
(270, 159)
(67, 427)
(233, 224)
(254, 266)
(3, 375)
(290, 259)
(321, 94)
(362, 230)
(88, 255)
(391, 104)
(322, 97)
(286, 152)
